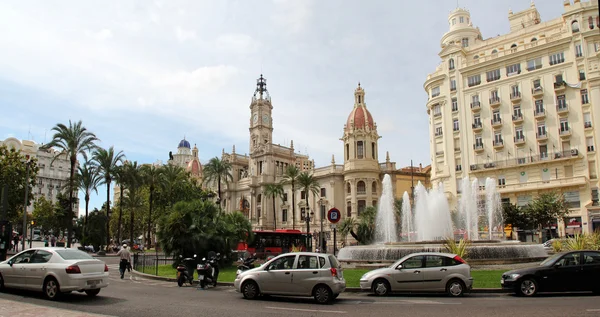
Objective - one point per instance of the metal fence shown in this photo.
(148, 263)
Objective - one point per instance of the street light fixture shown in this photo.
(308, 218)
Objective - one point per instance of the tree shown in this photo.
(72, 141)
(152, 179)
(44, 215)
(365, 231)
(107, 162)
(88, 180)
(13, 173)
(96, 229)
(63, 213)
(546, 209)
(515, 216)
(347, 227)
(217, 171)
(173, 179)
(273, 191)
(134, 180)
(291, 177)
(120, 178)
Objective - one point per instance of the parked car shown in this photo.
(561, 272)
(54, 271)
(296, 274)
(421, 272)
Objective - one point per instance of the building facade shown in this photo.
(52, 177)
(521, 108)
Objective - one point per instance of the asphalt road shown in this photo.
(137, 297)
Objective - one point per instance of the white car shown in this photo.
(54, 271)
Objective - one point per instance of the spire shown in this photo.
(332, 159)
(261, 89)
(387, 156)
(359, 97)
(223, 151)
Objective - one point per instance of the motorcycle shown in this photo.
(247, 264)
(208, 270)
(185, 270)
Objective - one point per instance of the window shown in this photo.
(465, 42)
(478, 140)
(494, 51)
(437, 110)
(571, 259)
(564, 125)
(348, 188)
(581, 74)
(454, 104)
(359, 149)
(496, 117)
(477, 120)
(413, 263)
(454, 21)
(302, 195)
(572, 199)
(474, 80)
(475, 99)
(537, 84)
(501, 181)
(517, 112)
(578, 50)
(557, 58)
(348, 209)
(494, 96)
(451, 64)
(362, 204)
(589, 141)
(513, 69)
(455, 126)
(539, 106)
(541, 129)
(543, 151)
(498, 138)
(561, 102)
(452, 84)
(347, 151)
(373, 150)
(591, 258)
(519, 133)
(435, 91)
(476, 57)
(434, 261)
(587, 120)
(24, 257)
(285, 197)
(462, 19)
(575, 26)
(361, 188)
(284, 215)
(438, 130)
(591, 23)
(323, 192)
(493, 75)
(283, 263)
(534, 64)
(584, 97)
(302, 213)
(307, 262)
(374, 203)
(70, 254)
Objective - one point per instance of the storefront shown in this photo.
(549, 232)
(572, 226)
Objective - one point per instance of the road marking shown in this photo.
(419, 302)
(308, 310)
(593, 309)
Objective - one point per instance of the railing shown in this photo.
(537, 90)
(496, 121)
(516, 95)
(516, 117)
(476, 125)
(539, 112)
(478, 146)
(587, 124)
(532, 158)
(550, 183)
(148, 263)
(519, 139)
(494, 100)
(475, 105)
(562, 107)
(498, 142)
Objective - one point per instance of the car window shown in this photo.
(41, 257)
(283, 263)
(413, 263)
(322, 262)
(571, 259)
(591, 258)
(307, 262)
(434, 261)
(334, 262)
(71, 254)
(24, 257)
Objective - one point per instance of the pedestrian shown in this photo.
(53, 241)
(16, 243)
(46, 241)
(125, 257)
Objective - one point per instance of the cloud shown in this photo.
(237, 42)
(184, 35)
(102, 35)
(292, 15)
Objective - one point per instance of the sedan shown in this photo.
(562, 272)
(54, 271)
(421, 272)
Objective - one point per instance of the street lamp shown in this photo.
(322, 204)
(308, 217)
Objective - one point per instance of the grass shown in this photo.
(481, 279)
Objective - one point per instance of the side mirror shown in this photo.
(10, 263)
(399, 267)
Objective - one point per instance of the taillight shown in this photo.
(333, 272)
(459, 259)
(73, 269)
(105, 268)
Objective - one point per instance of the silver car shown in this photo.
(421, 272)
(295, 274)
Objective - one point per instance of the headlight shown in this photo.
(513, 277)
(364, 277)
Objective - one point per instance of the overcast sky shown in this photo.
(144, 74)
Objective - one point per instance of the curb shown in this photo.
(348, 289)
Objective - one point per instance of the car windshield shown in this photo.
(74, 255)
(550, 260)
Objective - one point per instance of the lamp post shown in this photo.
(322, 204)
(308, 219)
(27, 162)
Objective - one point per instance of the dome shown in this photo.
(360, 116)
(184, 143)
(194, 167)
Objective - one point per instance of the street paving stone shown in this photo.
(9, 308)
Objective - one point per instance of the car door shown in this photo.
(565, 275)
(38, 268)
(591, 271)
(277, 277)
(306, 274)
(408, 275)
(434, 273)
(16, 275)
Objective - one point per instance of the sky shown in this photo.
(142, 75)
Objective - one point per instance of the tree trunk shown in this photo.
(219, 190)
(120, 215)
(293, 206)
(85, 221)
(70, 220)
(107, 214)
(149, 242)
(131, 214)
(274, 215)
(354, 236)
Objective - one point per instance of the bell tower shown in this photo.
(261, 122)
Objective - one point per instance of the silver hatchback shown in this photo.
(294, 274)
(421, 272)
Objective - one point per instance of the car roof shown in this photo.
(432, 253)
(306, 253)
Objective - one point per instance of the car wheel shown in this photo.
(455, 288)
(1, 283)
(250, 290)
(527, 287)
(323, 294)
(51, 289)
(92, 292)
(381, 287)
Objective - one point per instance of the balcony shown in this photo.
(541, 136)
(519, 140)
(495, 102)
(564, 133)
(477, 127)
(537, 92)
(498, 144)
(515, 97)
(560, 87)
(543, 185)
(439, 153)
(476, 106)
(497, 123)
(517, 118)
(439, 133)
(539, 114)
(562, 109)
(587, 125)
(478, 147)
(533, 158)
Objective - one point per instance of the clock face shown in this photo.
(255, 119)
(265, 119)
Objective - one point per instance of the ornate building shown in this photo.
(521, 108)
(187, 158)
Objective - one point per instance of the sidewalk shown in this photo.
(20, 309)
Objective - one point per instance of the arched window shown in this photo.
(361, 189)
(476, 57)
(533, 39)
(575, 26)
(451, 64)
(591, 23)
(374, 188)
(258, 198)
(349, 189)
(513, 46)
(494, 51)
(348, 209)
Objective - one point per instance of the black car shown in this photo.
(562, 272)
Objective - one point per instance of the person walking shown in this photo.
(16, 243)
(53, 241)
(125, 257)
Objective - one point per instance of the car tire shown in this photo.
(250, 290)
(323, 294)
(1, 283)
(51, 289)
(381, 287)
(455, 288)
(92, 292)
(527, 287)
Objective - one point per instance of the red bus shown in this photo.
(269, 242)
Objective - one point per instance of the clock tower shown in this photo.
(261, 123)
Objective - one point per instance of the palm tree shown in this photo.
(274, 191)
(152, 178)
(217, 170)
(87, 181)
(134, 180)
(119, 177)
(72, 141)
(347, 227)
(107, 162)
(308, 184)
(173, 177)
(291, 177)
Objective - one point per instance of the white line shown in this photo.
(308, 310)
(413, 302)
(594, 309)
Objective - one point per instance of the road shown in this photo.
(134, 296)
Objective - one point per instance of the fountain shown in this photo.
(479, 220)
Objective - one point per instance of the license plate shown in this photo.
(200, 277)
(93, 283)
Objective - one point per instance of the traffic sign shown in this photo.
(333, 215)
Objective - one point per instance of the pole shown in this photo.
(334, 240)
(412, 182)
(30, 235)
(25, 204)
(308, 229)
(321, 233)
